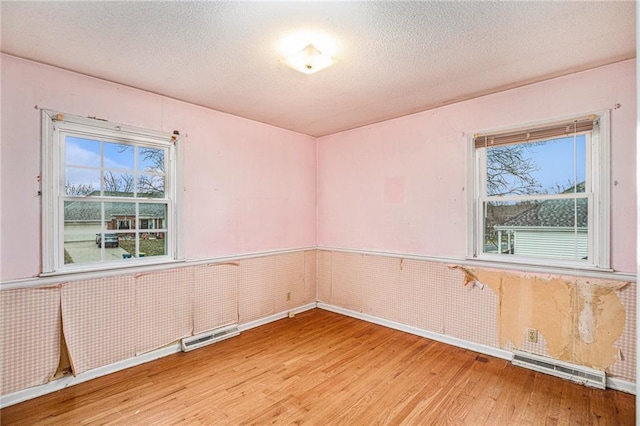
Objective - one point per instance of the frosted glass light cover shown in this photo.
(309, 60)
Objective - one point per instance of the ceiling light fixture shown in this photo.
(309, 60)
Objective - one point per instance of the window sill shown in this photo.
(113, 269)
(549, 268)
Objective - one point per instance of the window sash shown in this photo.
(480, 165)
(481, 236)
(136, 172)
(137, 230)
(534, 197)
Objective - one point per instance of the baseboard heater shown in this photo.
(576, 373)
(209, 337)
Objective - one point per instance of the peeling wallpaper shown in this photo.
(583, 321)
(107, 320)
(580, 319)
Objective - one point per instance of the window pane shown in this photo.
(82, 152)
(118, 156)
(541, 228)
(152, 244)
(151, 186)
(153, 216)
(548, 167)
(149, 244)
(85, 237)
(120, 216)
(151, 160)
(81, 226)
(82, 182)
(128, 245)
(81, 212)
(117, 184)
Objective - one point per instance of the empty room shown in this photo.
(318, 212)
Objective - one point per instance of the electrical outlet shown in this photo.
(532, 335)
(288, 296)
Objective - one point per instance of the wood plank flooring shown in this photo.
(326, 369)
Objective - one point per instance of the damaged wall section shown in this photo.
(582, 321)
(579, 319)
(74, 327)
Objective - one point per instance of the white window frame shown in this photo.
(597, 171)
(55, 125)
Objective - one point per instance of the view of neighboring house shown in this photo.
(557, 228)
(82, 219)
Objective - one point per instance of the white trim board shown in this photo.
(53, 279)
(587, 273)
(612, 382)
(67, 381)
(449, 340)
(68, 277)
(621, 385)
(276, 317)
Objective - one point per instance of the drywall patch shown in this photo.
(601, 319)
(586, 319)
(580, 318)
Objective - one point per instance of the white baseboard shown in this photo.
(275, 317)
(621, 385)
(612, 382)
(454, 341)
(65, 382)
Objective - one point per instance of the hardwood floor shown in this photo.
(323, 368)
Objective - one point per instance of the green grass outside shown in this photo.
(148, 247)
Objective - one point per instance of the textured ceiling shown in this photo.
(394, 58)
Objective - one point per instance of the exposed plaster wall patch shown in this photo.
(580, 319)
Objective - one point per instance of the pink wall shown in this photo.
(248, 186)
(395, 186)
(401, 185)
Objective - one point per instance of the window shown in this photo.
(109, 195)
(542, 194)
